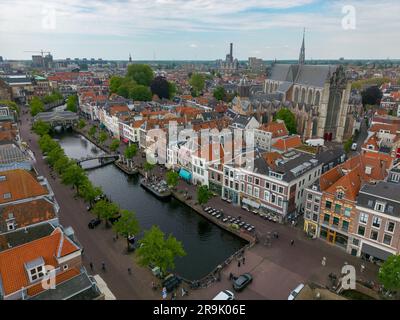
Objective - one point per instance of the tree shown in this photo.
(114, 145)
(197, 81)
(389, 273)
(89, 192)
(41, 128)
(81, 124)
(92, 131)
(289, 118)
(115, 83)
(62, 164)
(347, 145)
(36, 105)
(127, 225)
(160, 87)
(140, 93)
(72, 103)
(130, 151)
(171, 89)
(105, 210)
(155, 249)
(142, 74)
(46, 143)
(172, 178)
(125, 88)
(74, 175)
(148, 166)
(54, 155)
(203, 195)
(103, 137)
(219, 93)
(371, 96)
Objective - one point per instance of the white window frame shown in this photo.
(382, 204)
(37, 270)
(363, 214)
(375, 218)
(387, 224)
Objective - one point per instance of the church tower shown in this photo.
(302, 57)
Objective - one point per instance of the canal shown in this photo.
(206, 244)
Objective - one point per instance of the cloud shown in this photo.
(193, 45)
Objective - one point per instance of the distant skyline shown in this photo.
(200, 29)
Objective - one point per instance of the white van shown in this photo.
(225, 295)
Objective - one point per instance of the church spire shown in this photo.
(302, 57)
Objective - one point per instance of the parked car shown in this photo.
(354, 147)
(94, 223)
(295, 292)
(242, 281)
(225, 295)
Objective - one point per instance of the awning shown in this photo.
(184, 174)
(251, 203)
(375, 252)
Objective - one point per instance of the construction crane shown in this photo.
(42, 52)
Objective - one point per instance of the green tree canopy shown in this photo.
(130, 151)
(127, 225)
(81, 124)
(103, 137)
(115, 83)
(92, 131)
(203, 195)
(389, 273)
(148, 166)
(125, 89)
(36, 105)
(114, 145)
(155, 249)
(41, 128)
(105, 210)
(347, 145)
(140, 93)
(53, 97)
(172, 178)
(89, 192)
(142, 74)
(219, 93)
(62, 164)
(74, 175)
(72, 103)
(46, 143)
(289, 118)
(171, 89)
(55, 154)
(197, 81)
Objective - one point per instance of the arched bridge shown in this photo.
(99, 157)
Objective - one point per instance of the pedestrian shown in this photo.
(103, 266)
(291, 242)
(243, 260)
(91, 266)
(129, 271)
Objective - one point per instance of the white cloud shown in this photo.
(193, 45)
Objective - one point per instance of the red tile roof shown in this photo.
(287, 143)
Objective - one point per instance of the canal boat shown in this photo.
(128, 171)
(158, 188)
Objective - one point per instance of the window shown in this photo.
(376, 222)
(327, 217)
(7, 195)
(315, 217)
(250, 179)
(10, 226)
(316, 208)
(257, 181)
(309, 196)
(273, 198)
(336, 221)
(356, 242)
(65, 267)
(317, 199)
(379, 206)
(267, 185)
(328, 204)
(280, 190)
(374, 235)
(3, 178)
(361, 230)
(279, 201)
(347, 212)
(36, 273)
(345, 225)
(387, 239)
(308, 205)
(274, 187)
(363, 217)
(370, 203)
(266, 196)
(340, 195)
(338, 208)
(249, 189)
(390, 226)
(256, 192)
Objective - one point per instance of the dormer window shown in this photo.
(10, 226)
(380, 206)
(3, 178)
(368, 170)
(35, 269)
(7, 195)
(340, 195)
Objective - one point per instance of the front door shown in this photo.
(331, 236)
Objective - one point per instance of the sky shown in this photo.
(200, 29)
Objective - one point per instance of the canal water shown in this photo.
(206, 244)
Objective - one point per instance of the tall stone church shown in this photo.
(317, 94)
